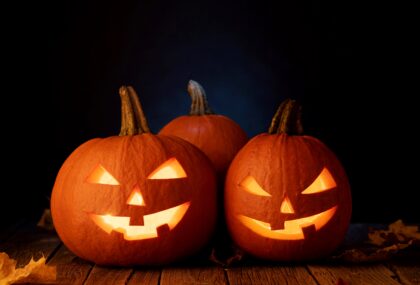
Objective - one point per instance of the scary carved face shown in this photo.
(171, 169)
(287, 198)
(294, 228)
(141, 199)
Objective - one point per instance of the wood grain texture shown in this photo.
(290, 275)
(366, 274)
(70, 268)
(408, 272)
(30, 242)
(145, 277)
(109, 275)
(198, 275)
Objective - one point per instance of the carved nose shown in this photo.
(136, 198)
(286, 207)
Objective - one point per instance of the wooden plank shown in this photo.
(290, 275)
(407, 272)
(145, 277)
(30, 242)
(70, 268)
(109, 275)
(366, 274)
(195, 275)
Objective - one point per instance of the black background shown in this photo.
(351, 65)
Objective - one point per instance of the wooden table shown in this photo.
(24, 241)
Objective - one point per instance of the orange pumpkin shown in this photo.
(136, 198)
(287, 196)
(217, 136)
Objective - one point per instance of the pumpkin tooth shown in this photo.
(163, 230)
(309, 231)
(293, 229)
(168, 218)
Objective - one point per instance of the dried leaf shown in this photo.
(382, 244)
(226, 261)
(239, 254)
(356, 255)
(375, 237)
(46, 221)
(397, 232)
(411, 232)
(7, 266)
(33, 272)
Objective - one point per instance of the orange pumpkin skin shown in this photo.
(219, 137)
(131, 159)
(284, 166)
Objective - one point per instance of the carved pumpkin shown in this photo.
(136, 198)
(287, 196)
(217, 136)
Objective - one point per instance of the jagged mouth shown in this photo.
(292, 228)
(121, 224)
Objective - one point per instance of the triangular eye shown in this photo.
(251, 185)
(101, 176)
(323, 182)
(170, 169)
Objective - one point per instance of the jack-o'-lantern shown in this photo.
(219, 137)
(287, 196)
(136, 198)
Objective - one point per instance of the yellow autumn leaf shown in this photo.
(33, 272)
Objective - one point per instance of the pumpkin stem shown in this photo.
(133, 120)
(199, 104)
(287, 119)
